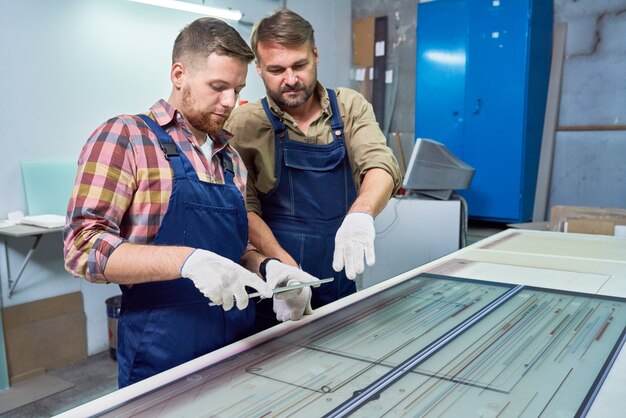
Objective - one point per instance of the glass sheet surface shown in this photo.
(565, 245)
(540, 352)
(537, 355)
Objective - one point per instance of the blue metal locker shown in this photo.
(481, 86)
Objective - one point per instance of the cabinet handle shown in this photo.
(479, 104)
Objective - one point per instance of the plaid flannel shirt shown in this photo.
(123, 186)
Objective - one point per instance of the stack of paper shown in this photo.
(44, 221)
(4, 223)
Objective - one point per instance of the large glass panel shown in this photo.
(537, 355)
(313, 369)
(540, 352)
(565, 245)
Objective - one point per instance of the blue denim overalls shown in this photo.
(314, 190)
(164, 324)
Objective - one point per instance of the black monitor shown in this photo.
(434, 171)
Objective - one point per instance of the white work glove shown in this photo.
(295, 308)
(278, 274)
(354, 242)
(221, 279)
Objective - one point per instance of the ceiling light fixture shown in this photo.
(229, 14)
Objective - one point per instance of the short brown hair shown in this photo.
(206, 36)
(283, 27)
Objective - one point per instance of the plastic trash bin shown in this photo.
(113, 314)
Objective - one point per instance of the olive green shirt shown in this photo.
(254, 140)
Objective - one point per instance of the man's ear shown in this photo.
(316, 55)
(258, 67)
(177, 74)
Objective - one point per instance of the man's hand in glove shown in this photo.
(354, 242)
(221, 279)
(295, 308)
(278, 274)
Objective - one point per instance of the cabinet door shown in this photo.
(495, 107)
(440, 79)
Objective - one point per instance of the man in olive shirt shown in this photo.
(319, 168)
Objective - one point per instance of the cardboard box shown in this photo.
(587, 220)
(363, 42)
(44, 334)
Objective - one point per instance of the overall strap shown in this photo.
(280, 132)
(170, 149)
(227, 166)
(336, 125)
(279, 127)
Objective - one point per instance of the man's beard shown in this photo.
(305, 93)
(198, 119)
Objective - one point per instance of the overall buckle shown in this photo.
(169, 149)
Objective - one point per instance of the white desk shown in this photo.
(572, 262)
(22, 231)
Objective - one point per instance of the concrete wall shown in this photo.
(590, 165)
(69, 65)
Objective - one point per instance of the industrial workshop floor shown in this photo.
(97, 375)
(478, 230)
(87, 379)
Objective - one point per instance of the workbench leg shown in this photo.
(6, 260)
(12, 283)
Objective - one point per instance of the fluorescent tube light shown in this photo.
(195, 8)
